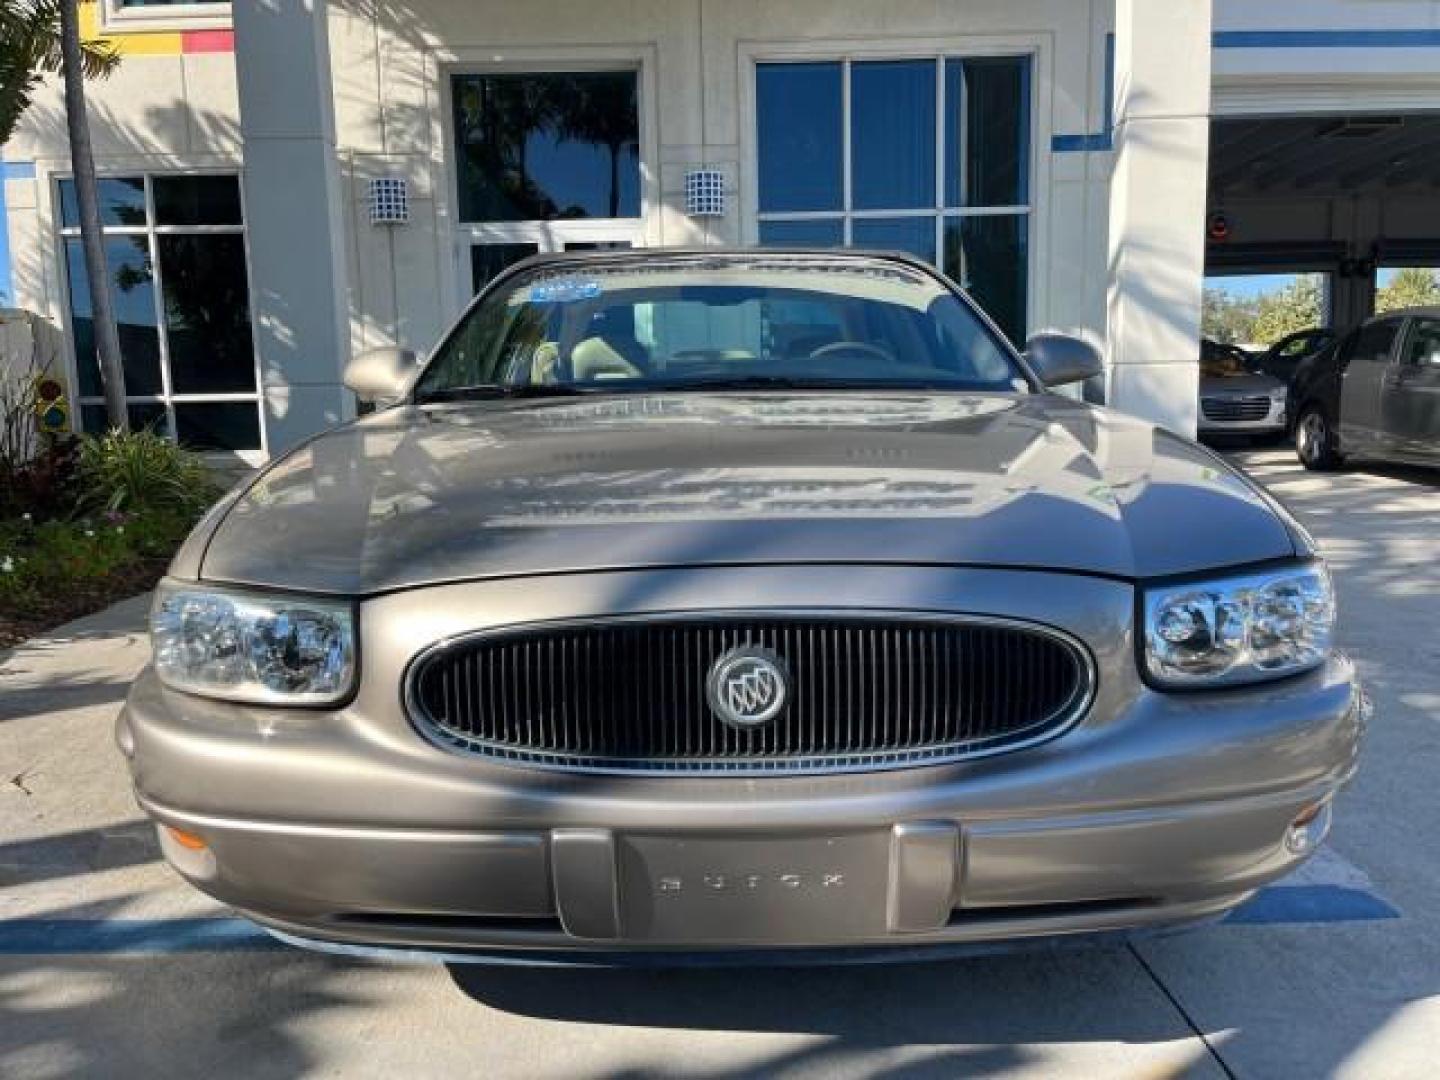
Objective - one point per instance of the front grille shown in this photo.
(1232, 409)
(629, 695)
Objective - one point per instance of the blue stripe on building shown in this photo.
(1326, 39)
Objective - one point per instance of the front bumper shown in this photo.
(347, 826)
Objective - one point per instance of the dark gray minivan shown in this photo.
(1375, 394)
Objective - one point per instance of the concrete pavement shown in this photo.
(109, 966)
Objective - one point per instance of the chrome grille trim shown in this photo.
(1233, 409)
(853, 756)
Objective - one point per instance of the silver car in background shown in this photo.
(701, 603)
(1236, 396)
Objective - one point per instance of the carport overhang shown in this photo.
(1337, 178)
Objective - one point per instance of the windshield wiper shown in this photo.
(498, 391)
(789, 382)
(760, 382)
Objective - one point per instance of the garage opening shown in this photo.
(1317, 221)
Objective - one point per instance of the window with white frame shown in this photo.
(175, 251)
(123, 15)
(545, 161)
(928, 155)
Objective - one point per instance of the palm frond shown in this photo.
(30, 48)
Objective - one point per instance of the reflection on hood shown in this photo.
(412, 496)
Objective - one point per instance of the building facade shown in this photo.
(289, 184)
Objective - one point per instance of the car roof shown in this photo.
(1427, 310)
(620, 255)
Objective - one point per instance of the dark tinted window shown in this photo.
(122, 202)
(798, 111)
(1372, 344)
(892, 160)
(987, 131)
(537, 147)
(207, 313)
(915, 236)
(197, 200)
(987, 256)
(142, 415)
(809, 232)
(1423, 344)
(132, 295)
(489, 260)
(217, 425)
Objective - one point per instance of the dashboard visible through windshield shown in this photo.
(718, 323)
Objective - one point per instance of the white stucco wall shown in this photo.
(391, 74)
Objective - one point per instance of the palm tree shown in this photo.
(82, 161)
(38, 37)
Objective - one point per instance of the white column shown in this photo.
(293, 209)
(1157, 208)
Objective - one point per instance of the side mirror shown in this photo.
(1060, 359)
(379, 376)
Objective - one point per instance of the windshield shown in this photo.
(698, 322)
(1225, 362)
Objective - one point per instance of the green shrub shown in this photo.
(44, 484)
(66, 568)
(142, 471)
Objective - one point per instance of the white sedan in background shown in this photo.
(1236, 397)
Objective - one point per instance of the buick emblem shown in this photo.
(747, 687)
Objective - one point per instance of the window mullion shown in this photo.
(846, 234)
(940, 162)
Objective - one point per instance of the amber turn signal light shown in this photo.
(185, 839)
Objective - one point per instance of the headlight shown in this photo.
(1239, 629)
(244, 646)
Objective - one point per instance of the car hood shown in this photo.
(1239, 385)
(415, 496)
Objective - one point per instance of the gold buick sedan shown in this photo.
(704, 604)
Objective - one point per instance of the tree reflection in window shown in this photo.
(542, 147)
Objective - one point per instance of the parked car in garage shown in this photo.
(1375, 394)
(1236, 397)
(1283, 358)
(707, 602)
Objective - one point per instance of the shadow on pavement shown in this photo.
(1047, 996)
(84, 851)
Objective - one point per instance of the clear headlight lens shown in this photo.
(1240, 629)
(246, 646)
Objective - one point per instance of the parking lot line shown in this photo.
(67, 937)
